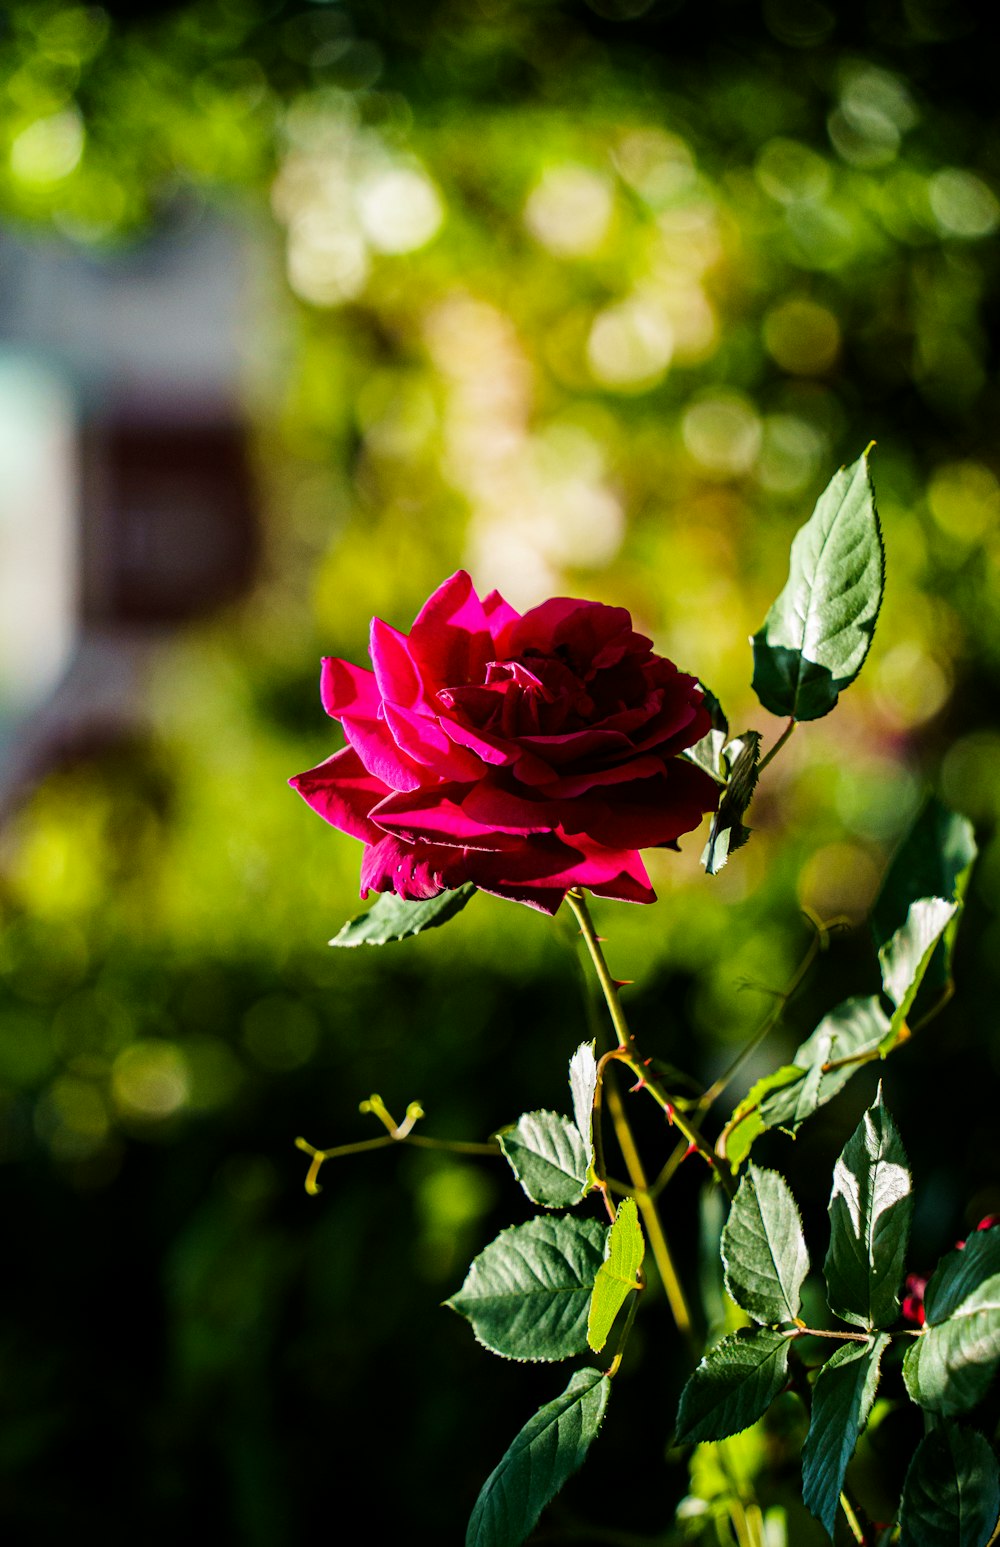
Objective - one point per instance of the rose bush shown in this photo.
(526, 754)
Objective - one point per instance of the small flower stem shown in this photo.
(615, 1364)
(362, 1146)
(769, 757)
(841, 1337)
(857, 1530)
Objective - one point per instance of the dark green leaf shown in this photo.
(815, 638)
(549, 1449)
(733, 1386)
(870, 1209)
(950, 1366)
(934, 860)
(527, 1295)
(842, 1399)
(727, 833)
(792, 1093)
(764, 1249)
(951, 1497)
(548, 1156)
(707, 752)
(960, 1272)
(392, 918)
(618, 1275)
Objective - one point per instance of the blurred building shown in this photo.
(126, 500)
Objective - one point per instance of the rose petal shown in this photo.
(343, 792)
(450, 638)
(500, 615)
(347, 689)
(396, 673)
(422, 737)
(372, 741)
(411, 871)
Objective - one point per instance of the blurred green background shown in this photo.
(591, 299)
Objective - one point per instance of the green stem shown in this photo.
(418, 1140)
(627, 1051)
(770, 756)
(615, 1364)
(857, 1530)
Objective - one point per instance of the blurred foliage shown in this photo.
(591, 299)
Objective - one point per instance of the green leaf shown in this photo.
(583, 1086)
(870, 1209)
(842, 1399)
(733, 1386)
(934, 860)
(764, 1250)
(815, 638)
(527, 1295)
(548, 1157)
(950, 1366)
(960, 1272)
(905, 958)
(951, 1497)
(707, 753)
(727, 833)
(549, 1449)
(618, 1274)
(785, 1098)
(392, 918)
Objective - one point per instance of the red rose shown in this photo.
(527, 754)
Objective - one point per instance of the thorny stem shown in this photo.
(626, 1053)
(772, 754)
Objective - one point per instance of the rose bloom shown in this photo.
(526, 754)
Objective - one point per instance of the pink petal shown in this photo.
(450, 637)
(396, 672)
(409, 871)
(422, 737)
(347, 689)
(500, 615)
(441, 814)
(372, 741)
(343, 792)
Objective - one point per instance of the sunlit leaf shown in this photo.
(815, 638)
(786, 1097)
(528, 1293)
(549, 1449)
(391, 918)
(934, 860)
(549, 1158)
(733, 1386)
(870, 1209)
(764, 1249)
(842, 1399)
(583, 1087)
(905, 958)
(951, 1497)
(951, 1365)
(618, 1275)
